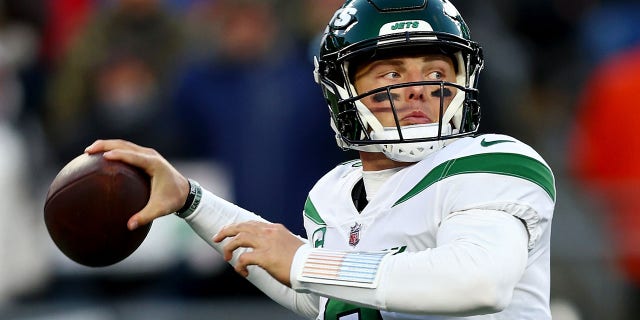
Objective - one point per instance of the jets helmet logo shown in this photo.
(343, 17)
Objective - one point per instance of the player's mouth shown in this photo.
(416, 117)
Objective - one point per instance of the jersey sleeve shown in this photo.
(212, 214)
(491, 172)
(508, 177)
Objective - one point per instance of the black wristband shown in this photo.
(192, 201)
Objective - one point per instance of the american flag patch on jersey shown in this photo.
(355, 269)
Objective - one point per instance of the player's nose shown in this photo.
(415, 92)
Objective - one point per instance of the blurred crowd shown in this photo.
(224, 88)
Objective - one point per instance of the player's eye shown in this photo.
(435, 76)
(392, 75)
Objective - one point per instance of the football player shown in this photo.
(433, 221)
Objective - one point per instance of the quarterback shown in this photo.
(433, 221)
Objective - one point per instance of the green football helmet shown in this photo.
(366, 30)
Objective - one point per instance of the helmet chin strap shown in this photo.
(454, 112)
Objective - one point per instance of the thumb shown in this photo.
(157, 206)
(143, 217)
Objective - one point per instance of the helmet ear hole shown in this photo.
(345, 124)
(471, 119)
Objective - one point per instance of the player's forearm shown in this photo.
(212, 214)
(473, 270)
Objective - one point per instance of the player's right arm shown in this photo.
(169, 192)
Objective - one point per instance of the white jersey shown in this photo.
(488, 172)
(437, 241)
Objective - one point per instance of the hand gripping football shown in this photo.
(87, 208)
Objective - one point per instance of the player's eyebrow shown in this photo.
(377, 63)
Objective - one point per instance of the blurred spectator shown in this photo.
(604, 150)
(508, 67)
(547, 31)
(604, 155)
(196, 18)
(109, 57)
(608, 28)
(21, 25)
(253, 107)
(64, 23)
(23, 265)
(528, 85)
(112, 81)
(311, 17)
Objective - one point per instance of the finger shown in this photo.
(242, 270)
(143, 217)
(150, 212)
(244, 261)
(242, 240)
(134, 222)
(132, 157)
(224, 233)
(110, 144)
(140, 219)
(251, 227)
(228, 231)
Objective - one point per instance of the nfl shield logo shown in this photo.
(354, 235)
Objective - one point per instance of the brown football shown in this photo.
(87, 208)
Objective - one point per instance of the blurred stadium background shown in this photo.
(179, 75)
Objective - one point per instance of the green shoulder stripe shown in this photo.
(312, 213)
(509, 164)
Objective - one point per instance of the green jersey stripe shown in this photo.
(510, 164)
(312, 213)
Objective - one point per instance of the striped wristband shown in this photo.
(192, 201)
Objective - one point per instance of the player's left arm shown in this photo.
(480, 257)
